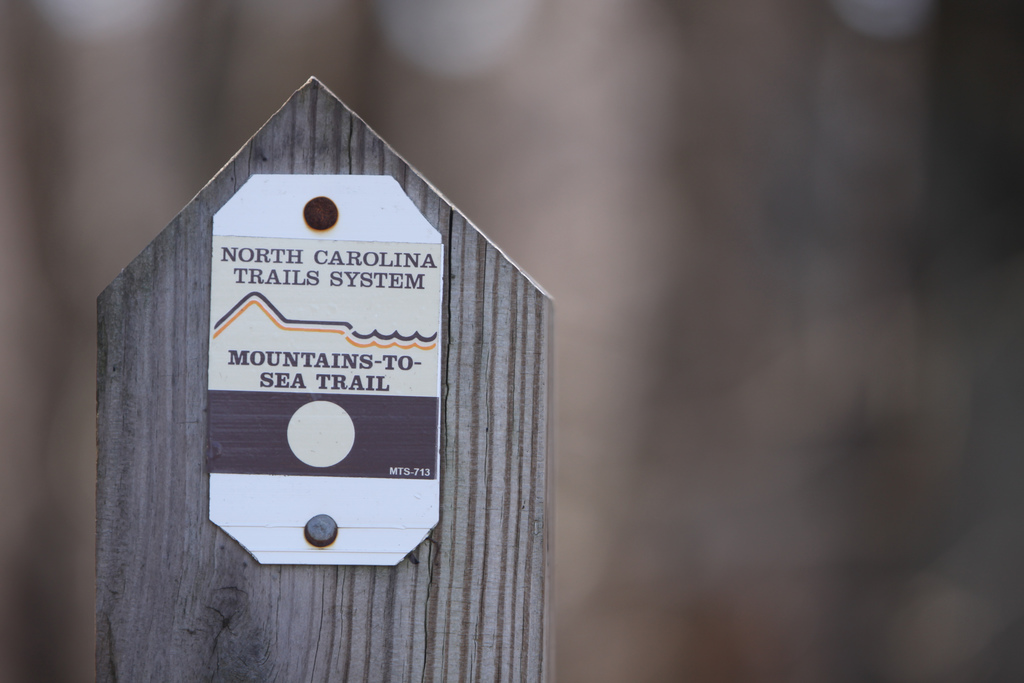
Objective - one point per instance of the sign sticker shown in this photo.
(324, 370)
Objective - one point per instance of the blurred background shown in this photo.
(784, 238)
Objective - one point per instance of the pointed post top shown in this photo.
(471, 601)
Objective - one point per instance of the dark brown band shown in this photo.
(395, 436)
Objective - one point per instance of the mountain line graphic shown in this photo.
(373, 339)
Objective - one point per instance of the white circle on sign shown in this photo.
(321, 434)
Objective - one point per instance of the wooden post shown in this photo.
(178, 600)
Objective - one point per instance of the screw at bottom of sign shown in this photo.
(321, 531)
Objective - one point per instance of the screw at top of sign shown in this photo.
(320, 213)
(321, 531)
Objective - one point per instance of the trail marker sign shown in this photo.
(324, 368)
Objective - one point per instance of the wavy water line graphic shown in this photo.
(261, 302)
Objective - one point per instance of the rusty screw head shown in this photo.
(320, 213)
(321, 531)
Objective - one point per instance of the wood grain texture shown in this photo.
(178, 600)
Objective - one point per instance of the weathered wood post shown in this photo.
(178, 599)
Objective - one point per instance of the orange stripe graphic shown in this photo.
(288, 328)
